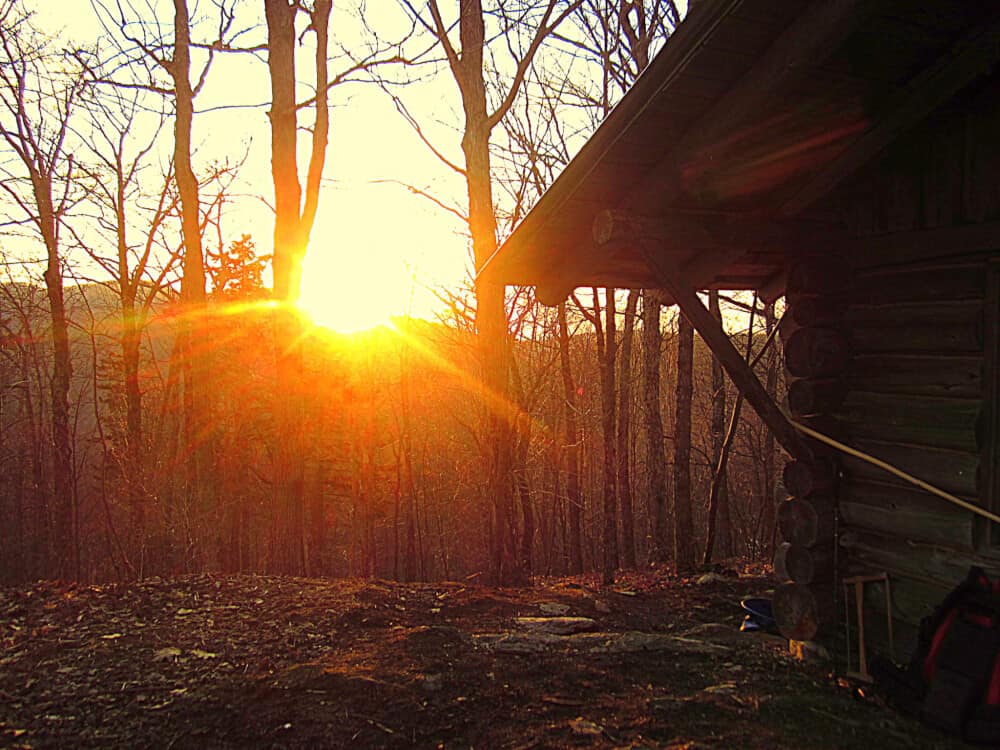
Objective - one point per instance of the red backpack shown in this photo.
(953, 679)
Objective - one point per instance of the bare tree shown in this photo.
(719, 531)
(683, 523)
(467, 64)
(131, 220)
(571, 453)
(623, 449)
(294, 216)
(656, 479)
(39, 89)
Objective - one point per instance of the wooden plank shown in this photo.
(931, 564)
(919, 420)
(973, 56)
(805, 43)
(909, 523)
(911, 602)
(817, 352)
(949, 470)
(924, 245)
(811, 396)
(918, 375)
(946, 282)
(945, 523)
(931, 327)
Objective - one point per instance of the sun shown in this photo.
(351, 292)
(375, 255)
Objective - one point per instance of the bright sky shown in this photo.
(377, 249)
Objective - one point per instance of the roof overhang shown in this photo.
(714, 167)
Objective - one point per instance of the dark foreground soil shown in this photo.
(267, 662)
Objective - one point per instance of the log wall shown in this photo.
(920, 322)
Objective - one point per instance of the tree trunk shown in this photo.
(197, 420)
(624, 431)
(524, 494)
(491, 317)
(293, 221)
(134, 449)
(656, 479)
(610, 526)
(683, 523)
(64, 529)
(718, 538)
(574, 499)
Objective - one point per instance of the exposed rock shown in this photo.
(556, 625)
(708, 578)
(629, 642)
(634, 641)
(519, 643)
(583, 726)
(432, 682)
(553, 609)
(602, 606)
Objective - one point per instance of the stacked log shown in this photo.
(817, 356)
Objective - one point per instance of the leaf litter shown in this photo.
(248, 661)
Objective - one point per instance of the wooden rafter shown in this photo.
(697, 246)
(971, 57)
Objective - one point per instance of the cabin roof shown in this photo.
(729, 144)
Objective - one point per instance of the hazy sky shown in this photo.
(376, 246)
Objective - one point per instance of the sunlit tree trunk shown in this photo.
(197, 417)
(624, 433)
(571, 451)
(719, 540)
(610, 463)
(467, 67)
(37, 105)
(656, 478)
(683, 524)
(293, 223)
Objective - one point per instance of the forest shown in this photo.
(167, 408)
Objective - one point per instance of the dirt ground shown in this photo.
(267, 662)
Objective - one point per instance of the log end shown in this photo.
(796, 611)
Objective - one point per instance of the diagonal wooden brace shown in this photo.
(711, 332)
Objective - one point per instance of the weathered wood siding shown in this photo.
(921, 322)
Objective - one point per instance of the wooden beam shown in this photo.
(923, 244)
(807, 42)
(973, 56)
(618, 231)
(710, 330)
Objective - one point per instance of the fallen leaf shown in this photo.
(203, 654)
(112, 636)
(580, 725)
(164, 654)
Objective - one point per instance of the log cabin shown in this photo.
(843, 154)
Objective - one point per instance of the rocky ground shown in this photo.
(266, 662)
